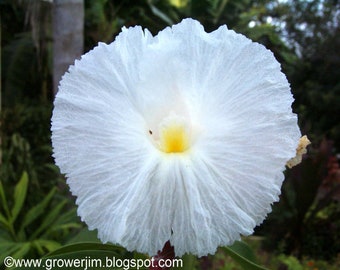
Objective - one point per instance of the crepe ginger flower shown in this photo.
(179, 137)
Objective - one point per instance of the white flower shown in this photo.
(181, 137)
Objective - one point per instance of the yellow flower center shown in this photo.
(172, 134)
(173, 138)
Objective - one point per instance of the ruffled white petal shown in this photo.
(243, 132)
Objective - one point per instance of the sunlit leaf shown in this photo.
(179, 3)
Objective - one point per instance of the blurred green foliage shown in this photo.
(35, 231)
(312, 29)
(304, 37)
(306, 220)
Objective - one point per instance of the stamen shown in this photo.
(173, 138)
(172, 135)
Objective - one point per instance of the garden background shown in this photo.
(37, 212)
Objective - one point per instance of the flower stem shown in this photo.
(168, 252)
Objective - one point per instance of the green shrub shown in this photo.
(34, 232)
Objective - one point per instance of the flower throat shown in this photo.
(173, 135)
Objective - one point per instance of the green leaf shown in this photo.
(39, 248)
(85, 236)
(66, 226)
(244, 250)
(13, 249)
(22, 251)
(6, 219)
(5, 237)
(66, 221)
(69, 216)
(4, 200)
(189, 262)
(43, 245)
(86, 247)
(160, 14)
(8, 248)
(49, 219)
(37, 210)
(19, 196)
(4, 222)
(243, 255)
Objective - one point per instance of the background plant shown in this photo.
(33, 232)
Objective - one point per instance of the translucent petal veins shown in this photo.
(181, 137)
